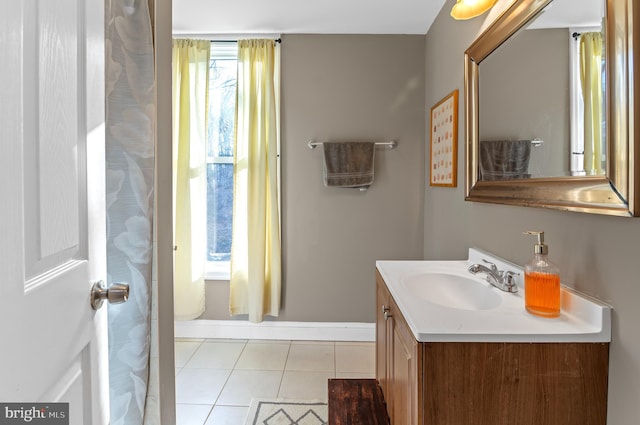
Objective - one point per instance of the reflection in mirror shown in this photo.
(533, 118)
(556, 171)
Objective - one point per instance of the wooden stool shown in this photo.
(355, 402)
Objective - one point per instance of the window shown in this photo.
(220, 129)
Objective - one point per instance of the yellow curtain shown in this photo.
(591, 81)
(190, 104)
(255, 251)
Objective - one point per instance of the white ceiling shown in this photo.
(304, 17)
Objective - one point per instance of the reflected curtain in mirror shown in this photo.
(255, 249)
(591, 83)
(190, 104)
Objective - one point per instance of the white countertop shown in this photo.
(582, 319)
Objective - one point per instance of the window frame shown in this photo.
(220, 270)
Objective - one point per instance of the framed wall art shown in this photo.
(443, 167)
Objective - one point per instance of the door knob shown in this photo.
(117, 293)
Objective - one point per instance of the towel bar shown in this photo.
(390, 145)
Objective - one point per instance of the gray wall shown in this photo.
(346, 87)
(596, 254)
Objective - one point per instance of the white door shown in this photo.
(52, 212)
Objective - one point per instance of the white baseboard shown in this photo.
(293, 331)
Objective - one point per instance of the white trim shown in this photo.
(224, 50)
(219, 160)
(293, 331)
(217, 270)
(575, 108)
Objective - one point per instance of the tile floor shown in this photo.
(216, 379)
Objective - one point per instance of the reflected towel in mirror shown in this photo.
(348, 164)
(504, 159)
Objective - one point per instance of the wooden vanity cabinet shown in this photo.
(398, 361)
(477, 383)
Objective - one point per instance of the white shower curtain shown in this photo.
(130, 97)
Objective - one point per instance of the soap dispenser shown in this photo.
(541, 281)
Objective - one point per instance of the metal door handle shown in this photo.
(117, 293)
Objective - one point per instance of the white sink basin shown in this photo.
(452, 291)
(442, 301)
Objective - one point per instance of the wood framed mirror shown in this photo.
(614, 190)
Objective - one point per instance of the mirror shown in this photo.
(502, 121)
(532, 112)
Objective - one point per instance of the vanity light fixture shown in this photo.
(467, 9)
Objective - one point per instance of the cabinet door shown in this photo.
(405, 374)
(382, 335)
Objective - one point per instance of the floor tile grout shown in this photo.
(284, 367)
(293, 375)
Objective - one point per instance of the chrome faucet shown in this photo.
(503, 280)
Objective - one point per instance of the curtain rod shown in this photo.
(228, 38)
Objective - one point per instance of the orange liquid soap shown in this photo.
(542, 294)
(541, 281)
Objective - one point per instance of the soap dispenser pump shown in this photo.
(541, 281)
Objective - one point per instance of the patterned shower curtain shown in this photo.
(130, 94)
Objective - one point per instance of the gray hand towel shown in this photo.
(348, 164)
(504, 159)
